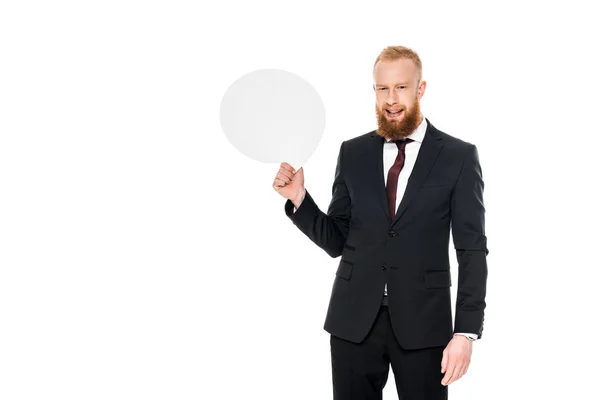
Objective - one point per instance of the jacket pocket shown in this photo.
(437, 182)
(344, 270)
(438, 279)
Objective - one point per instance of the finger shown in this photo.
(285, 172)
(456, 376)
(464, 369)
(449, 372)
(464, 366)
(456, 373)
(278, 183)
(287, 167)
(283, 177)
(444, 361)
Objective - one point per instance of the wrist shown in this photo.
(299, 198)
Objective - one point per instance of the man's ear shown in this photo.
(421, 90)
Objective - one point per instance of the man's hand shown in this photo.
(290, 183)
(456, 359)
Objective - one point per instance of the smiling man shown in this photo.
(398, 88)
(397, 193)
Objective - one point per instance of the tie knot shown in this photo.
(401, 143)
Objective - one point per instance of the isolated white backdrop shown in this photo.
(143, 257)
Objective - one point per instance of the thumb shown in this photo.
(444, 362)
(299, 173)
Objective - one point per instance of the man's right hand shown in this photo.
(290, 183)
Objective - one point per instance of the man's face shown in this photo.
(398, 92)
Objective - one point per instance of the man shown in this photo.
(396, 193)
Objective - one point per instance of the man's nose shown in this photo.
(392, 98)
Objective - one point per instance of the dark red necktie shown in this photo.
(392, 178)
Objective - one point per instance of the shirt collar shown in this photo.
(418, 134)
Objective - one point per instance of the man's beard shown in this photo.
(394, 130)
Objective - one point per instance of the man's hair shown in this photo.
(393, 53)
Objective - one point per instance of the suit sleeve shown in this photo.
(468, 232)
(328, 231)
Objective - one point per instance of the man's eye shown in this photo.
(402, 87)
(381, 88)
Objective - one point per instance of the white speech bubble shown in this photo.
(273, 116)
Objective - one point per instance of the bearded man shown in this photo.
(397, 191)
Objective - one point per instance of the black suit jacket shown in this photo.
(410, 252)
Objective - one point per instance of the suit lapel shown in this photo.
(375, 171)
(430, 148)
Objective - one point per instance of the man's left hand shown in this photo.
(456, 359)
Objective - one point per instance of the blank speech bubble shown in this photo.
(273, 116)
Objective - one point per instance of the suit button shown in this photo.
(392, 233)
(383, 267)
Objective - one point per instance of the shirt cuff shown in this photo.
(470, 336)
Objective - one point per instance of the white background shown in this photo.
(143, 257)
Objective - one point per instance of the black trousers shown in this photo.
(360, 371)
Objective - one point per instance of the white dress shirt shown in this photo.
(411, 150)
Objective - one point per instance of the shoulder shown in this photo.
(457, 148)
(450, 140)
(363, 139)
(358, 144)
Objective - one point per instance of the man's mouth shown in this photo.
(393, 113)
